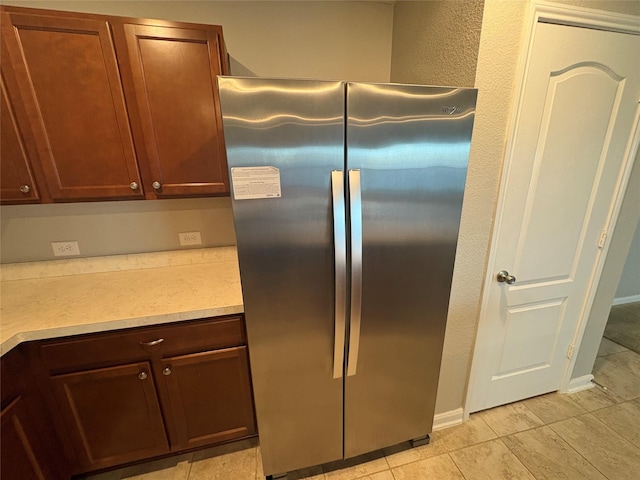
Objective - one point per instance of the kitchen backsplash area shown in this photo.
(114, 228)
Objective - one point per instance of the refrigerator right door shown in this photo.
(407, 155)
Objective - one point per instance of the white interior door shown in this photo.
(576, 118)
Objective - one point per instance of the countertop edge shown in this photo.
(45, 334)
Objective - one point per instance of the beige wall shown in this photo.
(500, 46)
(629, 285)
(436, 43)
(346, 40)
(109, 228)
(326, 40)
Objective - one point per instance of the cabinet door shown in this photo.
(69, 81)
(19, 459)
(17, 184)
(112, 414)
(210, 396)
(29, 445)
(174, 76)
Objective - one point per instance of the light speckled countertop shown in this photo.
(58, 298)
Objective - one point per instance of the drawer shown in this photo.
(110, 348)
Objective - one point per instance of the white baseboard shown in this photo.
(448, 419)
(623, 300)
(578, 384)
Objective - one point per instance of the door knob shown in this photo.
(503, 276)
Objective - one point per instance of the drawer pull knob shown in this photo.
(152, 342)
(25, 188)
(133, 185)
(156, 185)
(142, 375)
(166, 371)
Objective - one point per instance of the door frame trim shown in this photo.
(545, 12)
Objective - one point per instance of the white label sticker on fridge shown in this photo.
(255, 182)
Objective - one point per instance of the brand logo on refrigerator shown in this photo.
(450, 110)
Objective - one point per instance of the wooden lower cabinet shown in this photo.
(136, 394)
(112, 414)
(19, 457)
(209, 396)
(30, 449)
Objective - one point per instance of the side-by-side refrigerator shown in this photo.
(346, 201)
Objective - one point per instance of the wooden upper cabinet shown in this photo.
(69, 81)
(17, 184)
(174, 76)
(114, 107)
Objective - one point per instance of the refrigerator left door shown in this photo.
(284, 138)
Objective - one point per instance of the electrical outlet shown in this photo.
(190, 238)
(65, 249)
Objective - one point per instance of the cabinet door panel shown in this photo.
(19, 459)
(68, 76)
(210, 396)
(113, 414)
(17, 184)
(174, 75)
(29, 445)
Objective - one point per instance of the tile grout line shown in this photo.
(190, 465)
(524, 429)
(490, 427)
(624, 439)
(544, 424)
(580, 454)
(471, 445)
(393, 475)
(520, 460)
(456, 465)
(575, 450)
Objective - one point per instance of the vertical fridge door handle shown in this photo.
(340, 259)
(355, 208)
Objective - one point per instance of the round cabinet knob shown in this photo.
(166, 371)
(156, 185)
(133, 185)
(25, 188)
(142, 375)
(503, 276)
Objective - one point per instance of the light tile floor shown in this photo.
(593, 434)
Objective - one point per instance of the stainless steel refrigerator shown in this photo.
(346, 201)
